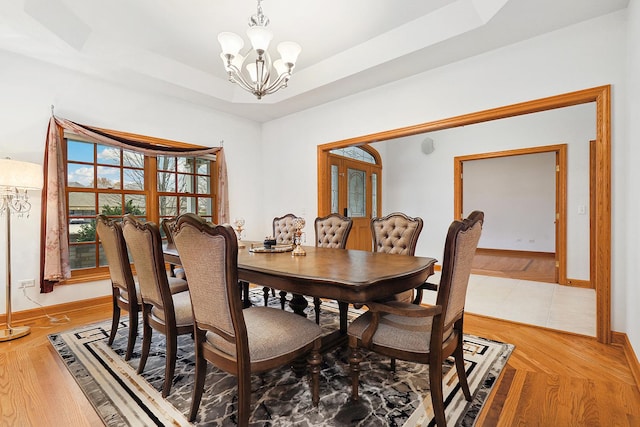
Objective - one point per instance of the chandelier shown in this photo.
(262, 76)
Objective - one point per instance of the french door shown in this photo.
(355, 191)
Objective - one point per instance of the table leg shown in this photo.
(246, 302)
(298, 303)
(343, 307)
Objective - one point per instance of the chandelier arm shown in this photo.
(281, 82)
(235, 76)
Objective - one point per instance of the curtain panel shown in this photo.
(54, 252)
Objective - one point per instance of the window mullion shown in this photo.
(151, 189)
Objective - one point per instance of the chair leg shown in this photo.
(316, 307)
(146, 344)
(170, 365)
(283, 299)
(114, 321)
(244, 397)
(133, 332)
(437, 397)
(393, 364)
(273, 292)
(200, 375)
(458, 355)
(354, 362)
(418, 298)
(315, 360)
(265, 291)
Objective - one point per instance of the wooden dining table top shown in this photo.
(351, 276)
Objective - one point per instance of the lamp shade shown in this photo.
(289, 52)
(260, 38)
(21, 175)
(231, 43)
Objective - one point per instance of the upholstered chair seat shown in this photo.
(182, 310)
(404, 333)
(176, 285)
(264, 334)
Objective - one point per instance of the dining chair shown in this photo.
(284, 234)
(424, 333)
(397, 233)
(124, 291)
(166, 312)
(240, 342)
(166, 225)
(332, 231)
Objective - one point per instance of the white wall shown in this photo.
(630, 249)
(422, 185)
(578, 57)
(28, 89)
(518, 193)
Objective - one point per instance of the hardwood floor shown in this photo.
(551, 379)
(537, 267)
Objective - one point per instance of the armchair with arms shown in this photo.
(424, 334)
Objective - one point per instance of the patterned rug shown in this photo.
(279, 398)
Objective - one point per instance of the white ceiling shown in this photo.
(170, 46)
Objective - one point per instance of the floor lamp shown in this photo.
(15, 179)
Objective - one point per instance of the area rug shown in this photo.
(279, 398)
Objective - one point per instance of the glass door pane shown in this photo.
(335, 191)
(357, 196)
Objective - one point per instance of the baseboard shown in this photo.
(576, 283)
(58, 309)
(621, 339)
(512, 252)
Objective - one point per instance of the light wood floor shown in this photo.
(537, 267)
(551, 379)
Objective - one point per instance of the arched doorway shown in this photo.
(353, 186)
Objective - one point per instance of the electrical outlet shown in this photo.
(31, 283)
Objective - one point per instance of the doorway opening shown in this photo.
(514, 247)
(600, 201)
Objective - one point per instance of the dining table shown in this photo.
(347, 276)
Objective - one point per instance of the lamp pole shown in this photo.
(10, 332)
(15, 179)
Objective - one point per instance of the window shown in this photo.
(107, 180)
(355, 153)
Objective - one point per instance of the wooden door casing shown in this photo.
(360, 236)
